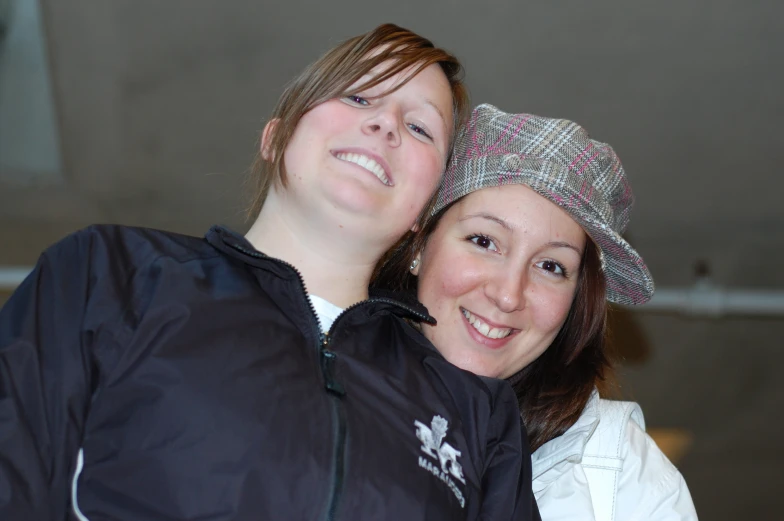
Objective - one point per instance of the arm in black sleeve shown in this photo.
(45, 383)
(506, 486)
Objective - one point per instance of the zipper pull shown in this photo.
(328, 359)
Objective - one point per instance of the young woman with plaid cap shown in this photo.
(517, 264)
(151, 375)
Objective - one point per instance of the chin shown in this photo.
(353, 199)
(473, 367)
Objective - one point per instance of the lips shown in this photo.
(370, 162)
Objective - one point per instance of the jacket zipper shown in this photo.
(336, 392)
(335, 389)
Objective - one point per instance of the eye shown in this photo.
(358, 100)
(483, 241)
(552, 267)
(419, 130)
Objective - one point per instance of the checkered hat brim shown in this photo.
(559, 161)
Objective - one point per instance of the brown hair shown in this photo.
(553, 389)
(334, 73)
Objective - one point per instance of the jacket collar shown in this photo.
(555, 457)
(238, 247)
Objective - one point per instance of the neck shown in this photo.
(336, 263)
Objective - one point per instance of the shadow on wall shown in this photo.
(629, 346)
(626, 340)
(626, 346)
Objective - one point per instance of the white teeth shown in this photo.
(367, 163)
(484, 329)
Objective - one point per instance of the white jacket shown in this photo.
(605, 467)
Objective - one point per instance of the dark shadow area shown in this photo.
(625, 337)
(627, 345)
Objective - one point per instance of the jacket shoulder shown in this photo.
(642, 483)
(114, 249)
(140, 242)
(493, 396)
(497, 393)
(650, 486)
(609, 438)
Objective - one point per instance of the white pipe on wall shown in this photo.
(12, 276)
(708, 300)
(703, 299)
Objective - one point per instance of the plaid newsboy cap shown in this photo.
(559, 161)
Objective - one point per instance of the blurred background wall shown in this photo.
(147, 113)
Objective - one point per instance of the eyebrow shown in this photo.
(489, 217)
(562, 244)
(507, 226)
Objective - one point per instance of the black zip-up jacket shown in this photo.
(188, 378)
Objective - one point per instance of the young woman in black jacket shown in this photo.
(150, 375)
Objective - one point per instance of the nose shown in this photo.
(507, 289)
(384, 122)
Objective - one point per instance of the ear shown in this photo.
(266, 139)
(414, 268)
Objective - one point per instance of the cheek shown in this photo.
(551, 310)
(445, 276)
(421, 181)
(426, 169)
(325, 120)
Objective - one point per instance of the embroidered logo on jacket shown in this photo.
(433, 445)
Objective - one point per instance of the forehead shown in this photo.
(432, 78)
(520, 208)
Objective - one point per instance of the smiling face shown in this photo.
(499, 273)
(371, 160)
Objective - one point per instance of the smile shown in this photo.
(367, 163)
(484, 329)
